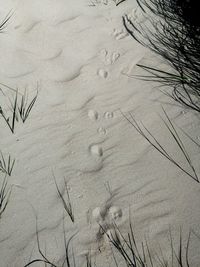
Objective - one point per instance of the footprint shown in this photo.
(115, 213)
(108, 115)
(137, 15)
(93, 115)
(102, 73)
(111, 59)
(103, 53)
(96, 150)
(119, 34)
(115, 57)
(108, 58)
(101, 130)
(99, 214)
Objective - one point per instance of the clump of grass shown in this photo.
(10, 119)
(126, 248)
(6, 165)
(144, 132)
(136, 254)
(172, 31)
(5, 193)
(66, 203)
(20, 107)
(25, 107)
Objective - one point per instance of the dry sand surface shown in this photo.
(82, 61)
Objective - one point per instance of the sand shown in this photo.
(82, 61)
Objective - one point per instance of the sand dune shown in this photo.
(83, 60)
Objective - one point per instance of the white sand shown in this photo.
(81, 57)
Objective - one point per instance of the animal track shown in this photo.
(101, 130)
(99, 214)
(115, 213)
(93, 115)
(96, 150)
(109, 58)
(106, 216)
(102, 73)
(108, 115)
(120, 34)
(136, 15)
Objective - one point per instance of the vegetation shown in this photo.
(126, 251)
(6, 166)
(66, 203)
(20, 107)
(5, 192)
(144, 132)
(172, 30)
(5, 21)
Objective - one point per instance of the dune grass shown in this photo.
(118, 2)
(139, 254)
(10, 120)
(5, 192)
(67, 204)
(146, 133)
(20, 107)
(172, 32)
(6, 165)
(126, 251)
(24, 106)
